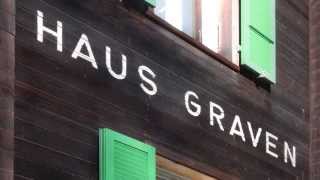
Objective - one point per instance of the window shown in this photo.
(179, 13)
(125, 158)
(169, 170)
(214, 23)
(214, 26)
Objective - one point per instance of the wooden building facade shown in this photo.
(166, 95)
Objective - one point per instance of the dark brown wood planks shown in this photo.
(64, 101)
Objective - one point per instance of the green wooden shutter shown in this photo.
(124, 158)
(258, 37)
(151, 2)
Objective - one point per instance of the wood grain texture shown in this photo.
(314, 89)
(7, 63)
(61, 102)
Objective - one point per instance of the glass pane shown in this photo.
(215, 23)
(178, 13)
(169, 170)
(220, 27)
(211, 23)
(163, 174)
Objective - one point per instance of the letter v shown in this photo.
(255, 139)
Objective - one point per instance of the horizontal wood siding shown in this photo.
(61, 102)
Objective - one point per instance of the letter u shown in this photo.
(123, 73)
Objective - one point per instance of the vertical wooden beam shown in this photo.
(314, 88)
(7, 62)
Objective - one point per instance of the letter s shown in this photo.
(152, 90)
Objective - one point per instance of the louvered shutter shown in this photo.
(124, 158)
(258, 37)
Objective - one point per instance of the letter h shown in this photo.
(41, 29)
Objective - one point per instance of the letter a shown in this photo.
(83, 41)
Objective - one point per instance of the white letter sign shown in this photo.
(41, 29)
(187, 103)
(77, 51)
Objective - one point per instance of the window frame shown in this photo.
(166, 163)
(196, 41)
(179, 170)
